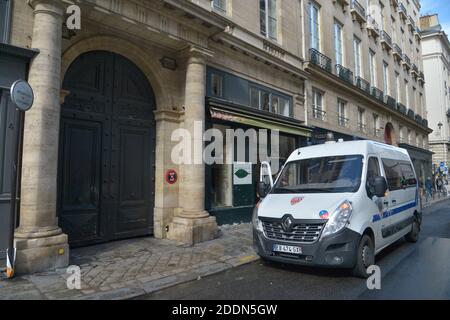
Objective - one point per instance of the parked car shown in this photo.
(337, 205)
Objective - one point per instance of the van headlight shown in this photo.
(257, 224)
(338, 219)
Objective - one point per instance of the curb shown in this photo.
(146, 288)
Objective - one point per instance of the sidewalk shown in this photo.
(130, 268)
(436, 199)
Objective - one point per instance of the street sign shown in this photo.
(22, 95)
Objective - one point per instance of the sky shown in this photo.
(442, 7)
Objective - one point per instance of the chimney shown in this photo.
(429, 21)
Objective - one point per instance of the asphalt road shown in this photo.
(409, 271)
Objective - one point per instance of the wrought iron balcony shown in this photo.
(343, 3)
(411, 23)
(377, 132)
(394, 3)
(415, 70)
(358, 12)
(402, 108)
(417, 32)
(363, 84)
(378, 94)
(391, 102)
(402, 11)
(406, 61)
(318, 113)
(398, 53)
(421, 76)
(372, 27)
(386, 40)
(343, 121)
(362, 127)
(320, 60)
(344, 73)
(411, 114)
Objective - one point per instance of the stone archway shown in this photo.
(150, 67)
(389, 134)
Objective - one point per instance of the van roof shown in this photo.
(362, 147)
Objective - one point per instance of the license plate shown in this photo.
(287, 249)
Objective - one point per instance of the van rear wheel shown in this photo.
(365, 257)
(413, 236)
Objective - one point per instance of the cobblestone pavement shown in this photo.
(130, 268)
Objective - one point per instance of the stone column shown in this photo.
(194, 224)
(40, 243)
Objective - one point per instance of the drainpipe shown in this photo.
(305, 91)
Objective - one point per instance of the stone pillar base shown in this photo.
(192, 231)
(41, 254)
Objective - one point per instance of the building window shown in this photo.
(338, 48)
(376, 125)
(216, 85)
(314, 26)
(409, 136)
(386, 78)
(5, 13)
(413, 102)
(361, 119)
(268, 18)
(220, 5)
(270, 102)
(372, 70)
(400, 134)
(318, 110)
(342, 120)
(407, 93)
(397, 87)
(357, 55)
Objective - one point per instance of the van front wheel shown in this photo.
(365, 257)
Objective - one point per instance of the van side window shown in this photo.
(399, 174)
(408, 174)
(373, 171)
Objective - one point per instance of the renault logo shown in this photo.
(287, 223)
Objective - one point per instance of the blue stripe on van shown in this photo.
(395, 211)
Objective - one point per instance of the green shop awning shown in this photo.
(255, 121)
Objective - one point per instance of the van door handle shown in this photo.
(386, 203)
(394, 201)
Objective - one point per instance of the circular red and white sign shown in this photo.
(171, 176)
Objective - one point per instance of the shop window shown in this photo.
(254, 98)
(217, 85)
(270, 102)
(265, 101)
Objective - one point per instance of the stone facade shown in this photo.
(196, 35)
(436, 56)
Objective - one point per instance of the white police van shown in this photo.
(337, 205)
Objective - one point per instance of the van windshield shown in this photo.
(335, 174)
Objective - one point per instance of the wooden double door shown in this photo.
(107, 151)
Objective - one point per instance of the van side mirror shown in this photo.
(262, 189)
(380, 186)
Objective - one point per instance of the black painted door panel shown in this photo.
(106, 171)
